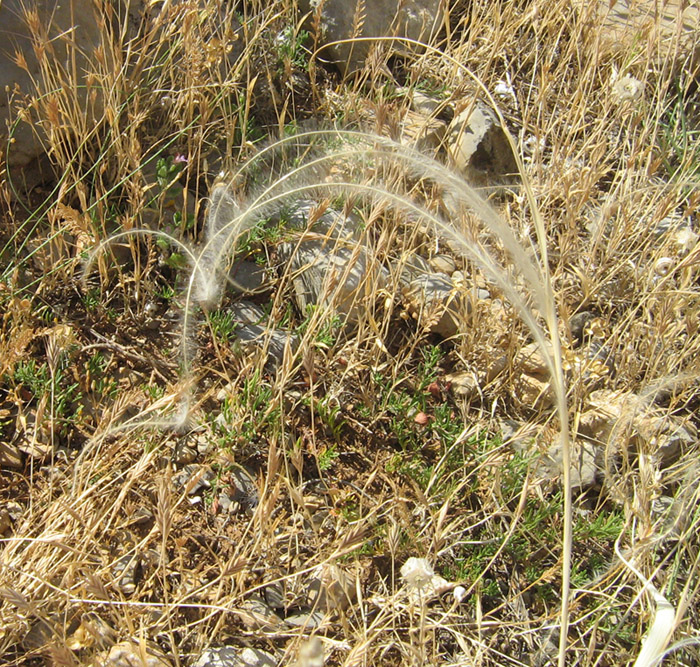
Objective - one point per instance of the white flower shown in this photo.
(417, 573)
(627, 89)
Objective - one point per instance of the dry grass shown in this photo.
(362, 453)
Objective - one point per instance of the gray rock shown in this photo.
(247, 277)
(422, 132)
(479, 148)
(247, 312)
(275, 595)
(578, 324)
(256, 615)
(228, 656)
(443, 264)
(614, 416)
(131, 654)
(424, 104)
(273, 341)
(329, 222)
(5, 521)
(586, 464)
(413, 268)
(240, 489)
(126, 572)
(304, 619)
(435, 300)
(194, 477)
(340, 276)
(253, 332)
(184, 453)
(416, 19)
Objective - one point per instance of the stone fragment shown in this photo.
(443, 264)
(578, 325)
(586, 464)
(5, 521)
(126, 572)
(275, 595)
(273, 341)
(530, 360)
(422, 132)
(194, 477)
(257, 615)
(330, 588)
(238, 489)
(435, 301)
(342, 276)
(670, 27)
(247, 277)
(304, 619)
(323, 220)
(133, 654)
(10, 456)
(184, 453)
(648, 428)
(424, 104)
(247, 312)
(667, 437)
(40, 633)
(479, 148)
(534, 392)
(228, 656)
(413, 268)
(419, 20)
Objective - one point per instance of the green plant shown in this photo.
(102, 383)
(290, 49)
(327, 456)
(328, 410)
(223, 325)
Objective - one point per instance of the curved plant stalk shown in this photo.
(550, 316)
(662, 627)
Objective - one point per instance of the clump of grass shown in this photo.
(346, 474)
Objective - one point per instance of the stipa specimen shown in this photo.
(379, 174)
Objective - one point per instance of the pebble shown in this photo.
(10, 456)
(126, 571)
(434, 300)
(131, 654)
(228, 656)
(330, 588)
(479, 147)
(443, 264)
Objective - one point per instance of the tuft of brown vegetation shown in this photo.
(166, 482)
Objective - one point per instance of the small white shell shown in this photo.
(663, 266)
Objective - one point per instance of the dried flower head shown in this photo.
(627, 89)
(417, 573)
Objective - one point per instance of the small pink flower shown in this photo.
(180, 159)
